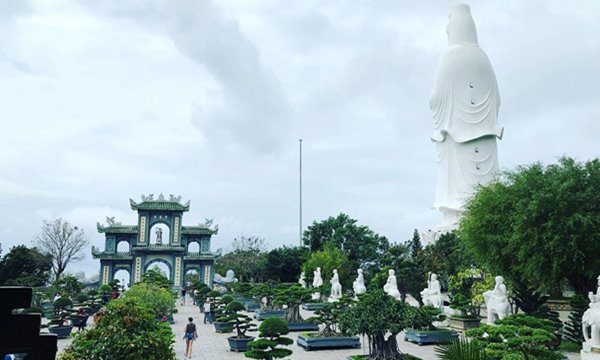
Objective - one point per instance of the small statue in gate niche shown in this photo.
(158, 236)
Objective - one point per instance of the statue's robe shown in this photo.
(465, 103)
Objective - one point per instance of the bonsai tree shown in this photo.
(466, 291)
(424, 317)
(525, 335)
(292, 297)
(241, 323)
(381, 318)
(265, 291)
(62, 311)
(105, 289)
(221, 305)
(266, 347)
(329, 315)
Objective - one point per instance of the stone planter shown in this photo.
(62, 332)
(329, 342)
(313, 306)
(303, 326)
(223, 327)
(265, 314)
(426, 337)
(239, 345)
(463, 324)
(251, 306)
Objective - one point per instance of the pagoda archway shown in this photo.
(163, 265)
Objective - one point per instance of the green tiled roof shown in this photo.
(200, 256)
(96, 254)
(158, 248)
(159, 205)
(197, 230)
(117, 229)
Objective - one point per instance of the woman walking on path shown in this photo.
(190, 336)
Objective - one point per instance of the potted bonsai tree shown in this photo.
(423, 332)
(380, 318)
(329, 337)
(466, 296)
(222, 323)
(244, 291)
(241, 323)
(265, 292)
(266, 347)
(59, 324)
(291, 298)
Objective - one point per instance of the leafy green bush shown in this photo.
(516, 337)
(105, 289)
(127, 329)
(158, 299)
(266, 347)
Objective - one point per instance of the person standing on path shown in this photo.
(190, 336)
(183, 291)
(206, 311)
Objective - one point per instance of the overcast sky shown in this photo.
(102, 101)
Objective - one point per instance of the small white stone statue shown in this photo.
(359, 284)
(336, 287)
(496, 301)
(302, 280)
(317, 281)
(590, 326)
(158, 236)
(391, 286)
(432, 295)
(464, 101)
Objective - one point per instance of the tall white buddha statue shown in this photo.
(465, 101)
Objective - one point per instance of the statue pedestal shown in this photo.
(590, 352)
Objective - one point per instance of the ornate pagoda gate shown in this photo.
(147, 246)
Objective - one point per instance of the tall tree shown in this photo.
(328, 259)
(415, 244)
(247, 260)
(284, 264)
(539, 223)
(364, 247)
(24, 266)
(64, 242)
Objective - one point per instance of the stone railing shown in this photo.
(21, 333)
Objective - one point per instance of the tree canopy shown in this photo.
(363, 246)
(247, 259)
(25, 266)
(284, 263)
(64, 242)
(539, 223)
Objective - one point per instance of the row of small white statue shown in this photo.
(496, 300)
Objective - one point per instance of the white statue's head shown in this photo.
(499, 280)
(230, 274)
(318, 269)
(598, 280)
(433, 277)
(359, 271)
(391, 272)
(335, 271)
(461, 27)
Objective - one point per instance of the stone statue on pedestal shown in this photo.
(336, 287)
(465, 101)
(432, 295)
(302, 280)
(590, 324)
(391, 286)
(158, 236)
(496, 301)
(317, 281)
(359, 284)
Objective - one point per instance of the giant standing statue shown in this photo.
(465, 102)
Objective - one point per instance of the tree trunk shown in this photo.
(381, 349)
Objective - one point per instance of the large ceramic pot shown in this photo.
(463, 324)
(329, 342)
(265, 314)
(62, 332)
(223, 327)
(426, 337)
(303, 326)
(239, 345)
